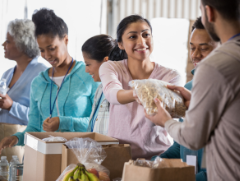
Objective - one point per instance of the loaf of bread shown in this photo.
(149, 89)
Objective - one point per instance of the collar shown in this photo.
(47, 79)
(193, 71)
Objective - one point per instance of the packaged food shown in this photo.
(90, 156)
(54, 138)
(149, 89)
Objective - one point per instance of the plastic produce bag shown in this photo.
(54, 138)
(90, 156)
(149, 89)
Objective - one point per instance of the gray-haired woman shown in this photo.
(20, 46)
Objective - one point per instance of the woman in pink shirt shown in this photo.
(127, 120)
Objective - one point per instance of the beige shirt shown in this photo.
(213, 117)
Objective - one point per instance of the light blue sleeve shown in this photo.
(34, 123)
(73, 124)
(19, 111)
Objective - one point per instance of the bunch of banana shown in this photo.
(79, 173)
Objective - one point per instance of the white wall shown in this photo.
(82, 17)
(170, 38)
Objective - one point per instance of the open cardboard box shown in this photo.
(8, 130)
(117, 155)
(170, 170)
(42, 160)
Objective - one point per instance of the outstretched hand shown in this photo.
(161, 117)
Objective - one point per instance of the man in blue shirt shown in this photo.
(201, 45)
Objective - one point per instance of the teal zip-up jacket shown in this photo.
(75, 101)
(179, 151)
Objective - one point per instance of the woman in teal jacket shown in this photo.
(61, 98)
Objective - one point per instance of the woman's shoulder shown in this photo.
(113, 65)
(167, 74)
(41, 78)
(79, 73)
(7, 73)
(162, 71)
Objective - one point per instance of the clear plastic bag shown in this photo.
(89, 154)
(143, 163)
(54, 138)
(149, 89)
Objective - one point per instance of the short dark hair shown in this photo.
(47, 22)
(229, 9)
(98, 47)
(117, 53)
(198, 24)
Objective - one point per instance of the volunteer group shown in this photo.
(94, 95)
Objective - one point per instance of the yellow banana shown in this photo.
(76, 173)
(83, 176)
(91, 176)
(71, 179)
(70, 174)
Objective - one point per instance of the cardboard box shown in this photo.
(117, 155)
(173, 169)
(9, 130)
(42, 161)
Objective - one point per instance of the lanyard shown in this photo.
(95, 117)
(235, 36)
(51, 109)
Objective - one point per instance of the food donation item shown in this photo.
(54, 138)
(149, 89)
(90, 156)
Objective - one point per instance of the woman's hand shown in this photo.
(51, 124)
(5, 102)
(161, 117)
(184, 92)
(8, 142)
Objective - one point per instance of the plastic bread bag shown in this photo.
(149, 89)
(90, 155)
(143, 163)
(54, 138)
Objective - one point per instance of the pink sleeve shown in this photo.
(177, 80)
(110, 82)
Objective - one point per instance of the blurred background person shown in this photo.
(20, 46)
(95, 52)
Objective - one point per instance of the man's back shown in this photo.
(222, 68)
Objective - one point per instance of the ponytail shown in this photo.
(117, 54)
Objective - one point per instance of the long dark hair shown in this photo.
(117, 53)
(98, 47)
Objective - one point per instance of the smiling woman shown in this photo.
(62, 96)
(127, 120)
